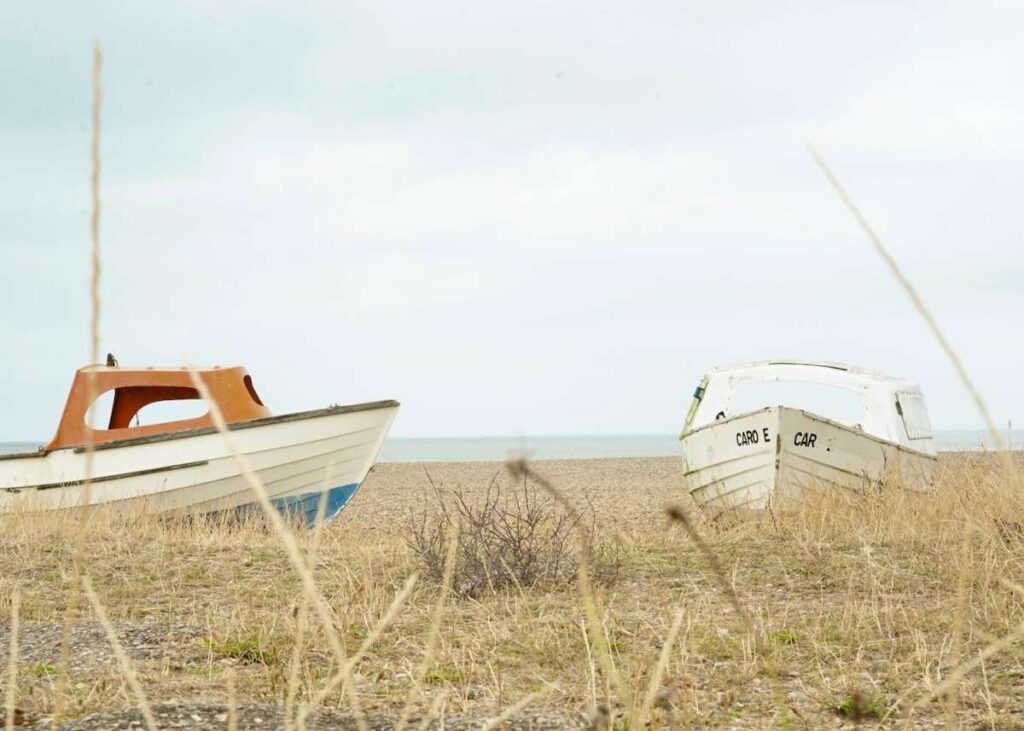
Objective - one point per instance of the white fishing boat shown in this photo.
(186, 465)
(738, 456)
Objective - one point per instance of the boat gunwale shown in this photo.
(185, 465)
(205, 430)
(106, 478)
(816, 417)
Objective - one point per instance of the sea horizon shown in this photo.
(579, 446)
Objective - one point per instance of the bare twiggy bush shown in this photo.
(511, 535)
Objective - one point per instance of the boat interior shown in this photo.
(875, 403)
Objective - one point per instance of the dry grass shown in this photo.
(854, 600)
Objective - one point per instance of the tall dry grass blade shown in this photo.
(232, 701)
(386, 619)
(436, 709)
(295, 664)
(123, 662)
(284, 535)
(94, 189)
(95, 262)
(988, 697)
(12, 663)
(679, 515)
(1012, 586)
(960, 671)
(959, 618)
(511, 711)
(521, 469)
(965, 380)
(436, 618)
(302, 618)
(344, 675)
(659, 670)
(94, 349)
(919, 304)
(591, 665)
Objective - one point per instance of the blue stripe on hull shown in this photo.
(304, 506)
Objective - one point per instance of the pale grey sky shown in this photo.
(522, 217)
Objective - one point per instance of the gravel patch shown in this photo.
(624, 492)
(210, 716)
(39, 643)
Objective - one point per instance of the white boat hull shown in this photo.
(295, 456)
(764, 458)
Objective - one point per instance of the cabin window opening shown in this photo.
(161, 412)
(252, 390)
(832, 402)
(133, 406)
(98, 415)
(910, 405)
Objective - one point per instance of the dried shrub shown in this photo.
(514, 535)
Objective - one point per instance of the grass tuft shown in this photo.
(248, 648)
(860, 706)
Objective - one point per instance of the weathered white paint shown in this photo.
(756, 458)
(198, 473)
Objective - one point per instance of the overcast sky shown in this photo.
(516, 218)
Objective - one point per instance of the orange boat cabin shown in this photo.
(135, 388)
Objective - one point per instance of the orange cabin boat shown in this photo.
(135, 388)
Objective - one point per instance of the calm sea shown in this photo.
(486, 449)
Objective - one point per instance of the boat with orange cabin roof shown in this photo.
(186, 465)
